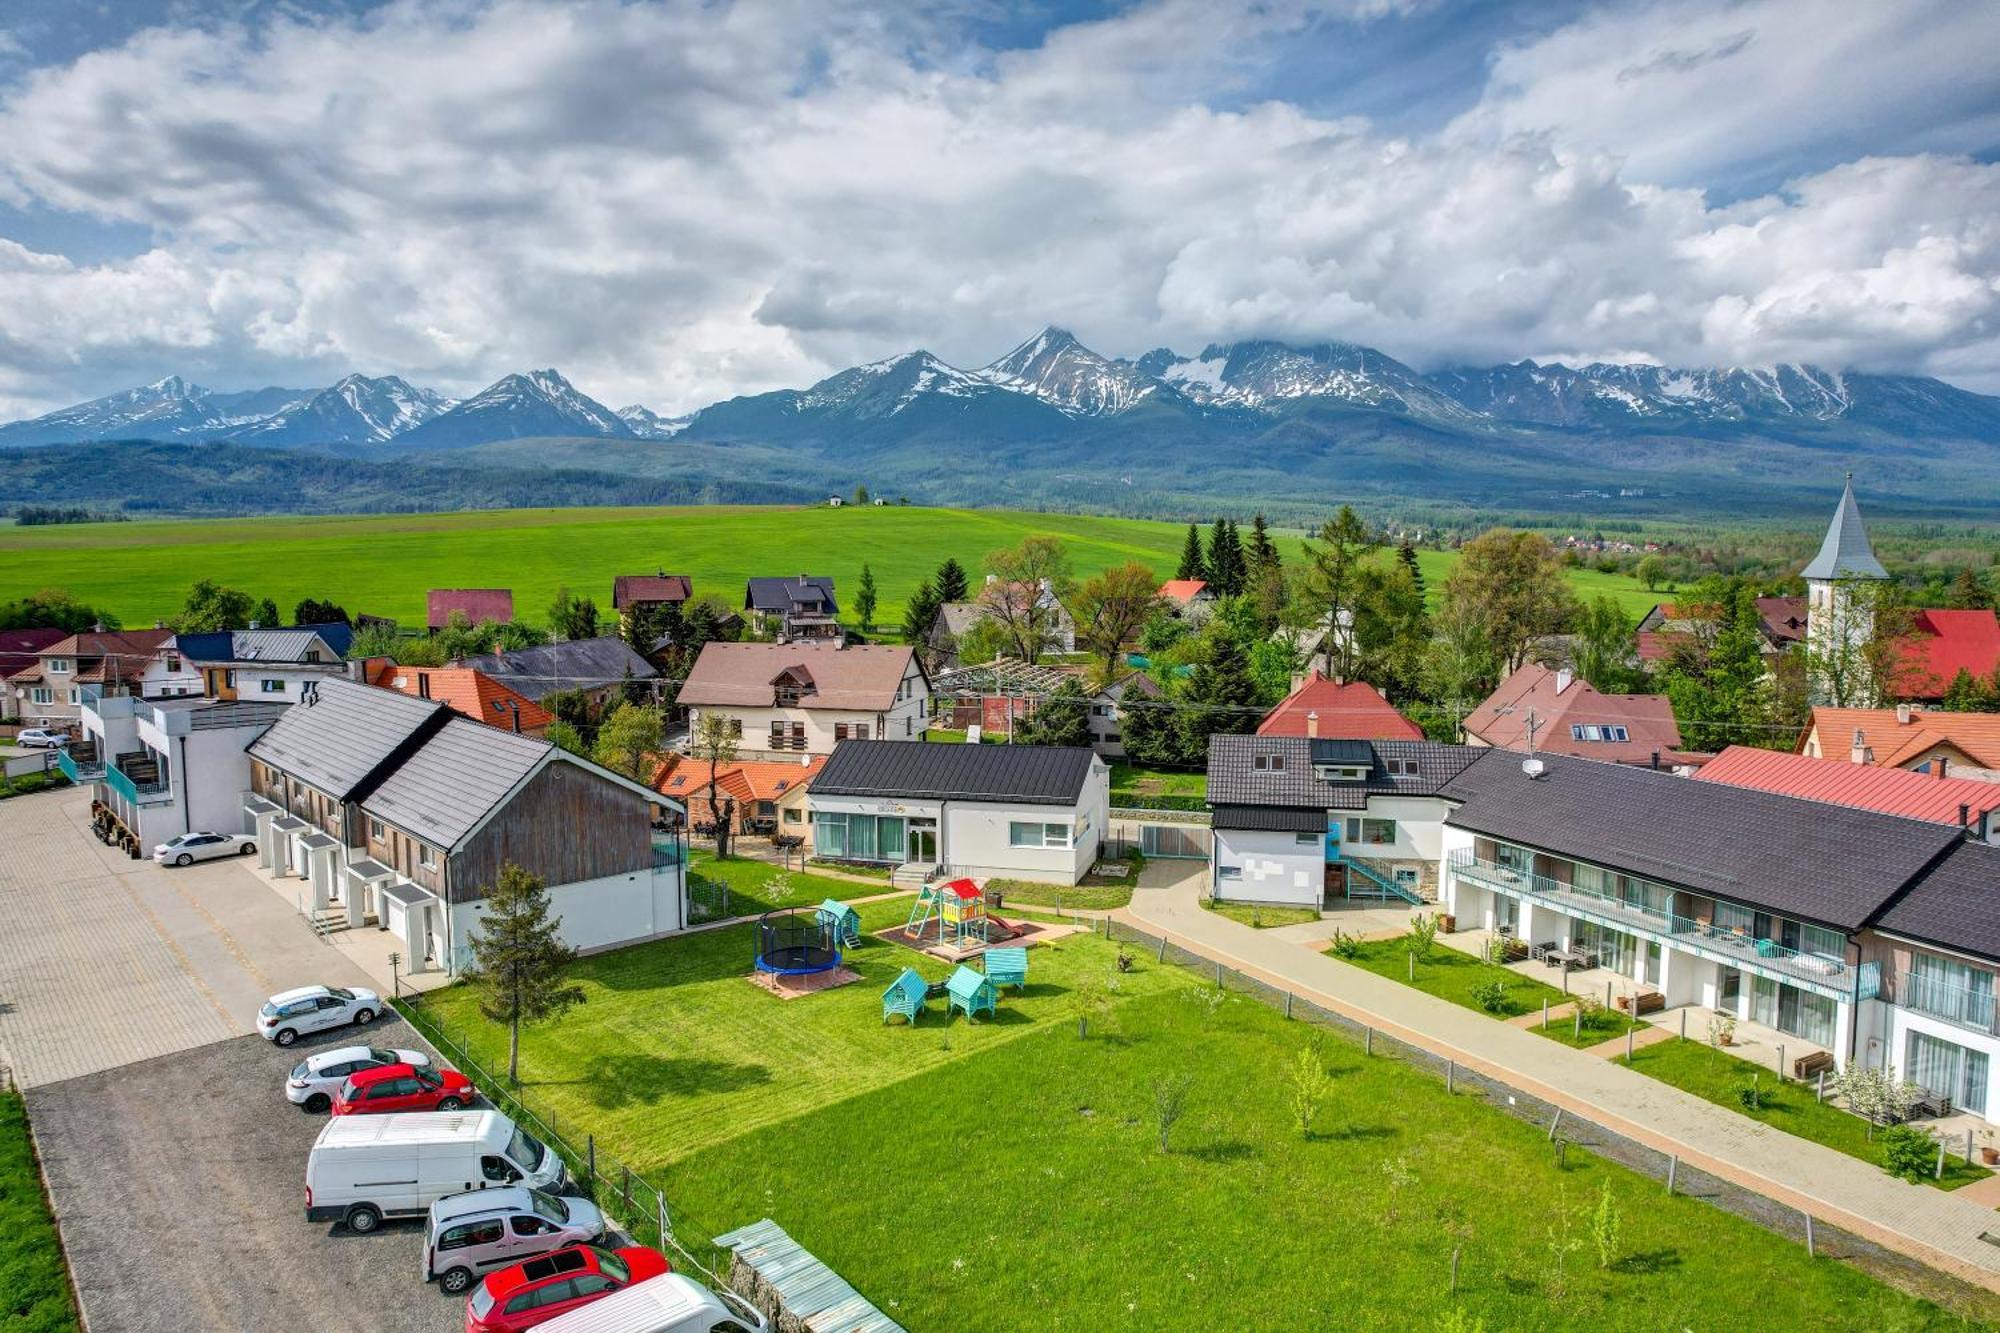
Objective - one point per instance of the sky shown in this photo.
(673, 203)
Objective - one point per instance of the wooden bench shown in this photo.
(905, 996)
(1007, 967)
(1645, 1002)
(1806, 1066)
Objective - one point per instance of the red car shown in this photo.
(402, 1088)
(540, 1289)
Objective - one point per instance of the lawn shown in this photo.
(1085, 897)
(1260, 917)
(1157, 781)
(382, 564)
(1025, 1187)
(751, 890)
(1719, 1077)
(34, 1283)
(675, 1050)
(1455, 976)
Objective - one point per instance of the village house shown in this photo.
(468, 692)
(1008, 811)
(801, 607)
(50, 692)
(600, 669)
(1966, 803)
(644, 594)
(158, 768)
(806, 697)
(396, 810)
(1553, 710)
(1017, 603)
(1908, 736)
(19, 650)
(1337, 710)
(768, 796)
(1188, 599)
(477, 605)
(271, 665)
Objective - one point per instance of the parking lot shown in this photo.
(179, 1185)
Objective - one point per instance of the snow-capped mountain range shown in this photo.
(1052, 387)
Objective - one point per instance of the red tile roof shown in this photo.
(464, 690)
(746, 783)
(1895, 742)
(1893, 791)
(477, 603)
(632, 589)
(1340, 711)
(1560, 703)
(1942, 643)
(101, 656)
(21, 648)
(1182, 591)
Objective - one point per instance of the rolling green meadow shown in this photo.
(383, 564)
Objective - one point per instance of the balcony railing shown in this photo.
(1736, 947)
(151, 792)
(79, 762)
(1967, 1006)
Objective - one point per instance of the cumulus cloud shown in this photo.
(679, 203)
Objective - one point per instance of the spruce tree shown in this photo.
(1408, 555)
(519, 961)
(919, 612)
(864, 599)
(1263, 554)
(950, 582)
(1221, 698)
(1192, 565)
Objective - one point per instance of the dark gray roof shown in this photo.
(1803, 858)
(406, 893)
(1269, 818)
(796, 590)
(348, 737)
(1029, 774)
(1956, 905)
(1234, 779)
(222, 714)
(578, 664)
(1845, 553)
(443, 790)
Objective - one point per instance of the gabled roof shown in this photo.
(1784, 618)
(478, 604)
(1338, 710)
(575, 664)
(1559, 701)
(1183, 591)
(763, 780)
(863, 678)
(1022, 774)
(1976, 735)
(1779, 853)
(467, 692)
(634, 589)
(288, 644)
(1941, 643)
(1837, 781)
(443, 791)
(20, 648)
(100, 656)
(346, 736)
(798, 592)
(1845, 553)
(1954, 906)
(1235, 779)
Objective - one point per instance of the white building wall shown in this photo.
(596, 914)
(1271, 868)
(1420, 830)
(1903, 1021)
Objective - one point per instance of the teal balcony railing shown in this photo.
(138, 793)
(79, 762)
(1736, 947)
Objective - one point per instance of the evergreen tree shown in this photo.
(864, 599)
(1192, 565)
(1721, 696)
(1221, 698)
(919, 612)
(1334, 585)
(950, 582)
(311, 611)
(573, 617)
(520, 965)
(1263, 552)
(267, 614)
(1226, 570)
(1407, 555)
(1968, 592)
(1146, 729)
(1062, 718)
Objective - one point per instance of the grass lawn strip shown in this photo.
(1259, 917)
(1451, 975)
(1024, 1187)
(34, 1281)
(1716, 1076)
(750, 885)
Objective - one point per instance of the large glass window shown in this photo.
(1818, 939)
(830, 834)
(1948, 1069)
(1949, 988)
(860, 837)
(1021, 834)
(1373, 832)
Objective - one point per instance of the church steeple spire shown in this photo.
(1846, 553)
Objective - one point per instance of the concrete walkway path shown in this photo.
(1938, 1228)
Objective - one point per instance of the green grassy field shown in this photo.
(1451, 975)
(34, 1285)
(383, 564)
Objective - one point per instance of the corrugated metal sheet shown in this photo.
(1892, 791)
(444, 789)
(810, 1290)
(1030, 774)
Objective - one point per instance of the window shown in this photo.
(472, 1233)
(795, 816)
(173, 663)
(75, 695)
(312, 655)
(376, 831)
(839, 731)
(1400, 767)
(530, 1226)
(1230, 872)
(269, 686)
(736, 727)
(426, 857)
(1306, 839)
(1021, 834)
(43, 695)
(590, 1284)
(1591, 731)
(58, 666)
(1274, 763)
(861, 731)
(496, 1169)
(1371, 832)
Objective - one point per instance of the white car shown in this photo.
(319, 1076)
(191, 847)
(291, 1014)
(35, 738)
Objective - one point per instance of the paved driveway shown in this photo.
(179, 1185)
(111, 960)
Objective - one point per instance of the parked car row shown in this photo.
(404, 1141)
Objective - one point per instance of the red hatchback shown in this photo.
(402, 1088)
(539, 1290)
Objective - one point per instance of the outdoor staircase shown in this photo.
(1385, 886)
(328, 921)
(913, 874)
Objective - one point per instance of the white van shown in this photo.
(367, 1167)
(669, 1303)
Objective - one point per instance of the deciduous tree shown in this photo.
(312, 611)
(1024, 595)
(211, 607)
(1516, 579)
(1333, 584)
(627, 740)
(572, 617)
(1111, 608)
(714, 743)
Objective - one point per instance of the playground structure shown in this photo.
(795, 942)
(970, 991)
(958, 909)
(844, 921)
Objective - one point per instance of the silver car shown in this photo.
(188, 848)
(474, 1233)
(38, 738)
(291, 1014)
(318, 1077)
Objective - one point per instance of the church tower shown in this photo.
(1838, 622)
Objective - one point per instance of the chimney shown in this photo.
(1902, 715)
(1312, 724)
(1564, 678)
(1656, 760)
(97, 628)
(254, 625)
(1298, 682)
(1942, 764)
(1858, 751)
(159, 624)
(516, 709)
(1965, 819)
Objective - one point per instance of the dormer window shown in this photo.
(1590, 731)
(1268, 763)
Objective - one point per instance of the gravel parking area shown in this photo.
(179, 1188)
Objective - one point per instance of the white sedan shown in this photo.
(35, 738)
(191, 847)
(291, 1014)
(318, 1077)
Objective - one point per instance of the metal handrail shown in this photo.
(1964, 1005)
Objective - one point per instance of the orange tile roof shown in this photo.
(1342, 711)
(746, 782)
(464, 690)
(1893, 791)
(1182, 590)
(1558, 704)
(1895, 742)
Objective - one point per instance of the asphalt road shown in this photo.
(179, 1186)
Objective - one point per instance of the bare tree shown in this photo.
(715, 742)
(1170, 1093)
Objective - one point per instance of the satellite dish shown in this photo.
(1532, 767)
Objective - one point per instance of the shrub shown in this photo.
(1310, 1084)
(1592, 1011)
(1605, 1226)
(1345, 945)
(1170, 1093)
(1423, 934)
(1909, 1152)
(1753, 1097)
(1491, 996)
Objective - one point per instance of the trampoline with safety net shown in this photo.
(796, 942)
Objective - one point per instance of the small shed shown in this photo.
(974, 992)
(906, 995)
(846, 922)
(1007, 967)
